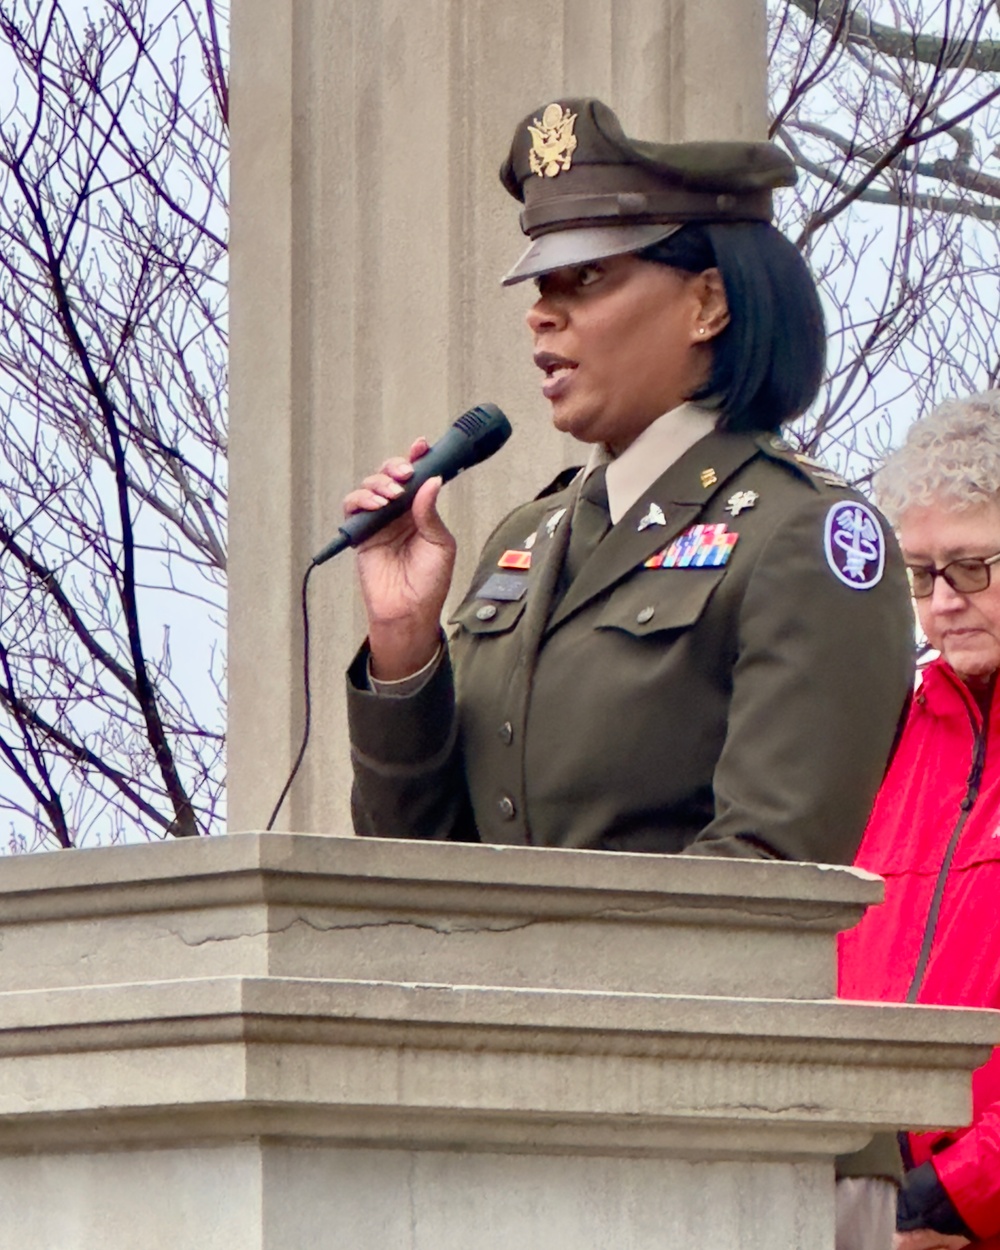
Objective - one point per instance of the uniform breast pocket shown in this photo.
(484, 617)
(656, 601)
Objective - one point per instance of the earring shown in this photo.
(701, 329)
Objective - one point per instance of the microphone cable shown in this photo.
(307, 694)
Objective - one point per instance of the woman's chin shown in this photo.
(580, 425)
(973, 664)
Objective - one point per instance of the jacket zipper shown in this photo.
(972, 785)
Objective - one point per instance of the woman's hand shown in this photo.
(405, 569)
(928, 1239)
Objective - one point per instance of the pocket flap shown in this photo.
(655, 600)
(486, 616)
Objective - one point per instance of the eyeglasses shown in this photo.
(967, 576)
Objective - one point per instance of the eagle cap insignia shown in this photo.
(552, 141)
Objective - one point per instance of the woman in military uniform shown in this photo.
(698, 643)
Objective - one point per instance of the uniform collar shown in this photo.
(681, 493)
(659, 446)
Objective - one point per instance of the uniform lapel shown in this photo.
(547, 556)
(682, 494)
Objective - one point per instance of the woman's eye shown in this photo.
(588, 274)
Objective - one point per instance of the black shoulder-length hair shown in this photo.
(768, 362)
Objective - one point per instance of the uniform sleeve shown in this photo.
(969, 1171)
(820, 678)
(923, 1202)
(409, 778)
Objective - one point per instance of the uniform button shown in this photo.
(506, 732)
(487, 612)
(506, 806)
(644, 615)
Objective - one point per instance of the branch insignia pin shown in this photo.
(653, 517)
(552, 524)
(708, 478)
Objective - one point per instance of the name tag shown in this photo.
(505, 587)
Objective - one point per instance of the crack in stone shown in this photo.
(799, 1108)
(443, 929)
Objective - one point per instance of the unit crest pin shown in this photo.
(741, 501)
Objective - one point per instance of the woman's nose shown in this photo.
(545, 314)
(945, 598)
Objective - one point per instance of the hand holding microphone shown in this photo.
(405, 574)
(475, 436)
(406, 554)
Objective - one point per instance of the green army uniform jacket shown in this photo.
(743, 709)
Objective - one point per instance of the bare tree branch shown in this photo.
(112, 457)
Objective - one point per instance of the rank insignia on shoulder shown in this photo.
(699, 547)
(552, 524)
(653, 517)
(515, 560)
(741, 501)
(854, 545)
(505, 587)
(830, 477)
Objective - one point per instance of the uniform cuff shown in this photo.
(404, 686)
(405, 729)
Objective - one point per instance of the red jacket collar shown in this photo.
(944, 694)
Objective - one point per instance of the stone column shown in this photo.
(369, 233)
(272, 1042)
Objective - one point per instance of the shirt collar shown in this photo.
(660, 445)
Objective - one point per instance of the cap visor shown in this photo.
(576, 247)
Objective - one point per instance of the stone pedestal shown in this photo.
(369, 235)
(281, 1041)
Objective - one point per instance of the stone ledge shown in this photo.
(303, 905)
(946, 1037)
(316, 868)
(477, 1067)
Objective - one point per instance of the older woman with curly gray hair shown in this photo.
(934, 833)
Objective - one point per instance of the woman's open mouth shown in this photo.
(558, 370)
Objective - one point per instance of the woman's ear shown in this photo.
(713, 309)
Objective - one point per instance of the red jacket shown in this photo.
(934, 835)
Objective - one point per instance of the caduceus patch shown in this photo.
(855, 545)
(552, 142)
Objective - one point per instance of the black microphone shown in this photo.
(474, 437)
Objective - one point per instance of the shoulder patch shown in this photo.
(854, 544)
(560, 482)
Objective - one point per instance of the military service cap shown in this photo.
(590, 191)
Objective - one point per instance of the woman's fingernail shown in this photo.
(394, 489)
